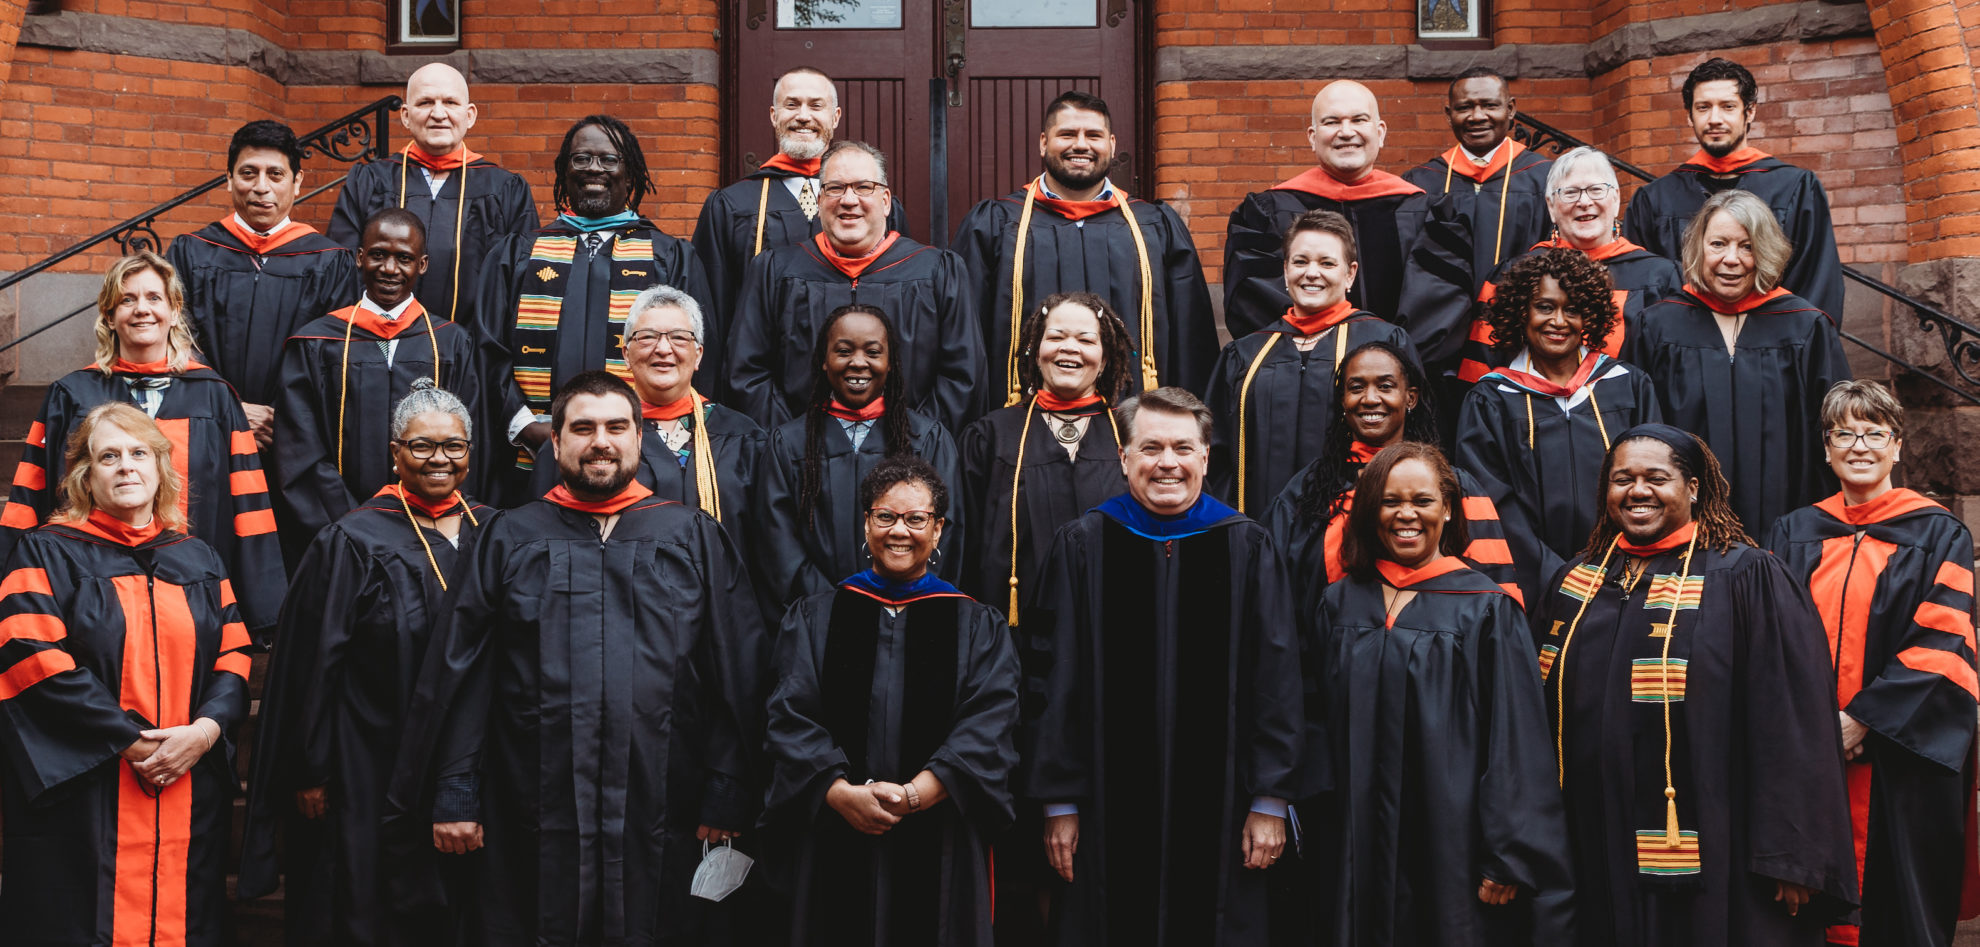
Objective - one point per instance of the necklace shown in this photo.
(1632, 574)
(1066, 429)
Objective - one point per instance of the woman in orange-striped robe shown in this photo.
(123, 668)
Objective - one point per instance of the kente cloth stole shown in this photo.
(546, 280)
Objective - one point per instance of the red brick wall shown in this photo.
(1927, 53)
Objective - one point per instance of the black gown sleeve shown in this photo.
(975, 762)
(1270, 660)
(959, 352)
(1254, 271)
(30, 498)
(348, 217)
(1191, 323)
(804, 760)
(1483, 452)
(1055, 742)
(1815, 272)
(1923, 700)
(1519, 799)
(1437, 302)
(306, 475)
(755, 339)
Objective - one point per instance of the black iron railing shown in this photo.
(1962, 341)
(362, 135)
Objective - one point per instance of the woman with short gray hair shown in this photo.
(1743, 363)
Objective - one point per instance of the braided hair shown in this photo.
(623, 139)
(1718, 526)
(1333, 473)
(893, 424)
(1116, 349)
(1586, 284)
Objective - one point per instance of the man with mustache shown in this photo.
(594, 700)
(788, 294)
(1074, 230)
(1720, 97)
(255, 276)
(554, 302)
(463, 200)
(774, 206)
(1386, 211)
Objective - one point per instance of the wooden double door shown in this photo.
(952, 91)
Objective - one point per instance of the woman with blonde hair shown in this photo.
(145, 358)
(123, 667)
(1743, 363)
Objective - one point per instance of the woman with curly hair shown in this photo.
(1534, 431)
(1743, 363)
(1700, 763)
(1271, 390)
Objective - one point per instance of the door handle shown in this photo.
(955, 39)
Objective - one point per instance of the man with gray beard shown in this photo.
(774, 206)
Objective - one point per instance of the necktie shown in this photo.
(149, 392)
(591, 244)
(808, 200)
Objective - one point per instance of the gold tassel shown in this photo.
(1670, 817)
(1014, 586)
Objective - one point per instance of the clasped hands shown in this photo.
(160, 757)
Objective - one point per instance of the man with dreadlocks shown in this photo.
(1693, 711)
(555, 301)
(807, 490)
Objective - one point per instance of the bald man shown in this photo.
(1386, 211)
(429, 178)
(774, 206)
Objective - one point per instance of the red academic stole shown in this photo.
(105, 526)
(851, 267)
(263, 246)
(633, 493)
(674, 410)
(1462, 165)
(376, 323)
(162, 366)
(461, 157)
(806, 168)
(1361, 453)
(1050, 402)
(1318, 182)
(871, 411)
(1677, 537)
(1540, 385)
(451, 506)
(1750, 302)
(1892, 503)
(1070, 210)
(1732, 163)
(1320, 321)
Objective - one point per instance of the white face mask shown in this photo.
(721, 873)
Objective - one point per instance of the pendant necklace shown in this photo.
(1064, 428)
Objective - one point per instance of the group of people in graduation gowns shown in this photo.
(925, 578)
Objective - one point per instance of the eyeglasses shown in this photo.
(584, 162)
(422, 449)
(1593, 192)
(833, 192)
(1847, 440)
(647, 338)
(916, 520)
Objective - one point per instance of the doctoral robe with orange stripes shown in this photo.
(225, 500)
(96, 635)
(1893, 581)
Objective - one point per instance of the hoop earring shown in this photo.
(935, 560)
(867, 553)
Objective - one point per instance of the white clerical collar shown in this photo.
(1106, 189)
(392, 314)
(1487, 158)
(271, 231)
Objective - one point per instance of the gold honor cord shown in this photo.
(1559, 674)
(421, 533)
(1024, 435)
(705, 491)
(460, 215)
(762, 207)
(1593, 405)
(344, 375)
(1244, 398)
(1672, 838)
(1012, 392)
(1499, 236)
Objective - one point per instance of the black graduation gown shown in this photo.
(797, 559)
(1759, 780)
(1095, 254)
(863, 694)
(340, 676)
(1442, 771)
(1385, 228)
(1661, 210)
(725, 241)
(1167, 691)
(1893, 582)
(227, 504)
(244, 307)
(1054, 490)
(1759, 409)
(1470, 230)
(600, 699)
(1542, 466)
(1640, 278)
(787, 295)
(95, 634)
(327, 384)
(499, 203)
(738, 446)
(1290, 406)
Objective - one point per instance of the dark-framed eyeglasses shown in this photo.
(1593, 192)
(647, 338)
(838, 189)
(422, 449)
(585, 162)
(916, 520)
(1847, 440)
